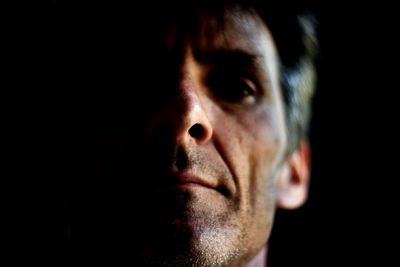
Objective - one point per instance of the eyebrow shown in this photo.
(236, 58)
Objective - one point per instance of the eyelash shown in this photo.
(232, 89)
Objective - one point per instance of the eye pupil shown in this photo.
(247, 91)
(235, 90)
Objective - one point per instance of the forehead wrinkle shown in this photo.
(231, 59)
(237, 30)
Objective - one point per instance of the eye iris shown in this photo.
(232, 90)
(241, 89)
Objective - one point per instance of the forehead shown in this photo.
(234, 29)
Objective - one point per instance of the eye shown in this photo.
(233, 88)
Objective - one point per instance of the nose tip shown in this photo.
(183, 120)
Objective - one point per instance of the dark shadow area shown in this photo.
(352, 156)
(352, 147)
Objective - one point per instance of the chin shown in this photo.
(205, 252)
(199, 244)
(190, 227)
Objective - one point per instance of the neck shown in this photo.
(260, 260)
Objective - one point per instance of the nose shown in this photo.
(184, 119)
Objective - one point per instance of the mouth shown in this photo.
(187, 181)
(190, 180)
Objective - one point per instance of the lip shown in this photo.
(191, 180)
(189, 185)
(186, 180)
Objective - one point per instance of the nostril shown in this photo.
(196, 131)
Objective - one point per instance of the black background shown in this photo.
(346, 219)
(353, 144)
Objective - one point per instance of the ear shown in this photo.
(293, 181)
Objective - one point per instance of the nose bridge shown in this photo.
(189, 91)
(190, 108)
(186, 117)
(187, 99)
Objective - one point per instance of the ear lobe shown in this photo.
(293, 181)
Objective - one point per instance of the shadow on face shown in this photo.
(187, 136)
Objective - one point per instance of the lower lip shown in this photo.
(186, 187)
(190, 185)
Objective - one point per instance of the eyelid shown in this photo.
(218, 79)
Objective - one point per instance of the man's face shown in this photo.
(196, 187)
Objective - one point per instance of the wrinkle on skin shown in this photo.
(242, 151)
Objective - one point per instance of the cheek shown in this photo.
(263, 159)
(254, 157)
(264, 149)
(262, 139)
(252, 145)
(255, 146)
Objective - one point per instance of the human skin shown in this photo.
(213, 164)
